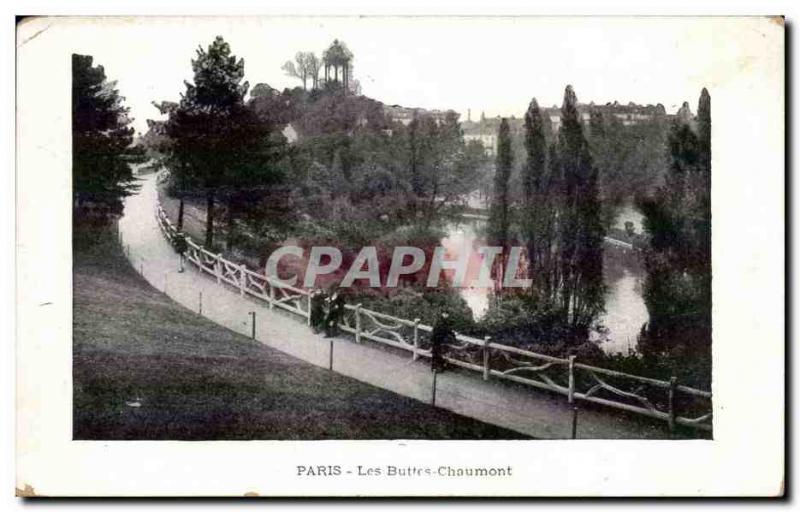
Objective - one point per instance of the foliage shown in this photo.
(101, 144)
(522, 319)
(678, 261)
(353, 168)
(445, 168)
(630, 158)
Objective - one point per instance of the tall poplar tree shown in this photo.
(538, 208)
(581, 289)
(499, 212)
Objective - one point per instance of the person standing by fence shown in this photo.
(441, 335)
(334, 314)
(318, 314)
(181, 246)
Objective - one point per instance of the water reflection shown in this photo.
(623, 275)
(467, 235)
(625, 308)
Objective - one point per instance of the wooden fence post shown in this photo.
(486, 369)
(271, 294)
(415, 356)
(571, 390)
(242, 280)
(253, 314)
(358, 323)
(308, 302)
(673, 382)
(218, 268)
(574, 422)
(433, 390)
(571, 396)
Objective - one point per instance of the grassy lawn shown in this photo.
(194, 380)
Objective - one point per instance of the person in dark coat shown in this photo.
(441, 335)
(334, 314)
(181, 246)
(318, 313)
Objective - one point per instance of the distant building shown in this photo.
(404, 115)
(486, 129)
(489, 140)
(629, 114)
(337, 63)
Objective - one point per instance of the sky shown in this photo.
(491, 65)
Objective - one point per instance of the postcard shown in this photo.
(400, 256)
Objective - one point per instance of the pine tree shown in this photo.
(220, 147)
(101, 143)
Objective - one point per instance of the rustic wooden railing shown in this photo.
(650, 397)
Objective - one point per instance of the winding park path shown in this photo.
(535, 413)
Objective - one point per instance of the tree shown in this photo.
(581, 291)
(538, 190)
(101, 143)
(220, 147)
(678, 260)
(439, 167)
(451, 166)
(306, 65)
(499, 213)
(313, 65)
